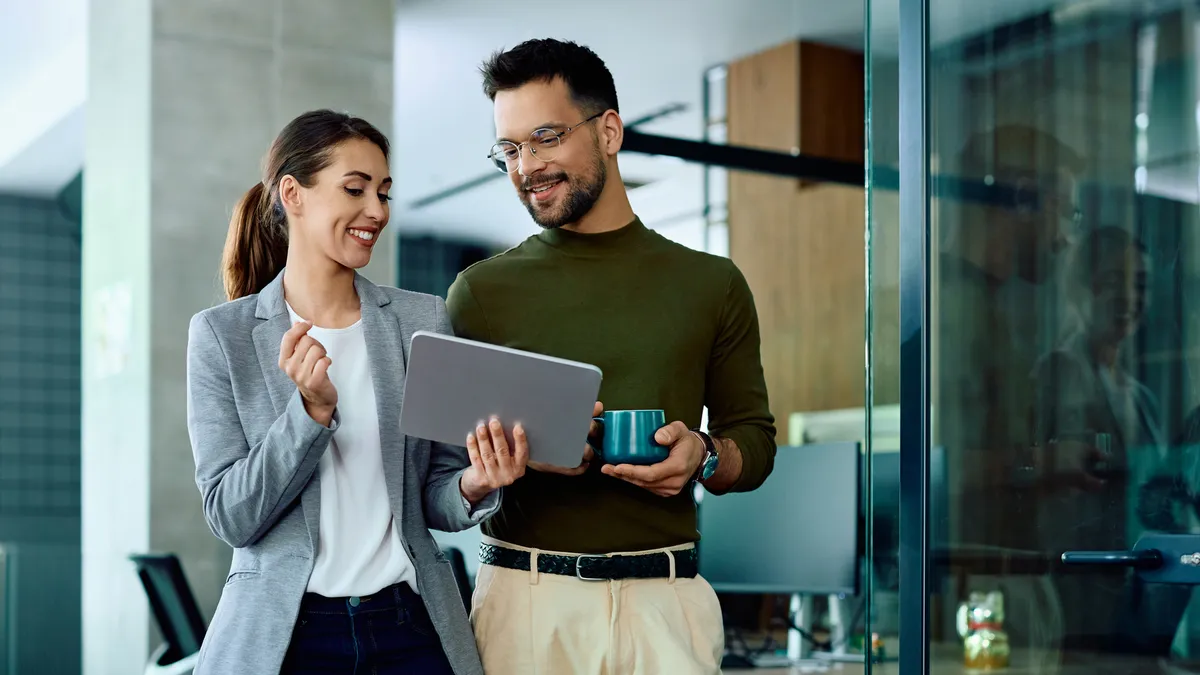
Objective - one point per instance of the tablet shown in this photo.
(452, 383)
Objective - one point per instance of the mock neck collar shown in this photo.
(569, 240)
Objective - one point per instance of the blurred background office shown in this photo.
(1057, 140)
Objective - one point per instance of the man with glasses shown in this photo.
(671, 328)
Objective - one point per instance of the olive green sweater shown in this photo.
(671, 328)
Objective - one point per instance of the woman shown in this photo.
(1105, 450)
(294, 392)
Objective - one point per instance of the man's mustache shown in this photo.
(528, 184)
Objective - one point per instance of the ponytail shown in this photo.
(256, 246)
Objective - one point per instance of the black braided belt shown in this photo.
(595, 567)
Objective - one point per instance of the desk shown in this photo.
(946, 662)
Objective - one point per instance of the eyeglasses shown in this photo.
(543, 144)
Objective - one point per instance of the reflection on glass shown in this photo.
(1062, 333)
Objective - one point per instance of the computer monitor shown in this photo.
(175, 610)
(885, 511)
(797, 533)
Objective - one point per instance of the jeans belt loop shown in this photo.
(670, 565)
(534, 575)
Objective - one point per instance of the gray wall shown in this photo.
(39, 434)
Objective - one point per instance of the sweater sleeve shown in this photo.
(736, 389)
(466, 314)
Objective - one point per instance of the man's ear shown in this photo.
(612, 132)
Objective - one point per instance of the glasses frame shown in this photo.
(501, 165)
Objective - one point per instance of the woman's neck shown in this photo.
(1104, 353)
(322, 293)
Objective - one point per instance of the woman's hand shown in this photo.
(306, 363)
(493, 463)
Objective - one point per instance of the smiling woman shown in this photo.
(293, 414)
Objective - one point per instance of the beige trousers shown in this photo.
(528, 623)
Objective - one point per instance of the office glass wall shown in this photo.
(1049, 276)
(883, 390)
(799, 240)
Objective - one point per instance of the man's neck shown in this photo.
(991, 257)
(611, 211)
(321, 292)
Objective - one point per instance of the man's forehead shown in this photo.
(520, 111)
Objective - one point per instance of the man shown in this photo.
(996, 274)
(671, 328)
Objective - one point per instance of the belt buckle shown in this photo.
(579, 570)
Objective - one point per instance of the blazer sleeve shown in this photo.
(245, 488)
(445, 507)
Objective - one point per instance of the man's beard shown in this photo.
(578, 201)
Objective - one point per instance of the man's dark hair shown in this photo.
(586, 76)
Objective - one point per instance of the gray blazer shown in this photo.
(257, 452)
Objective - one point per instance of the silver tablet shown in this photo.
(451, 384)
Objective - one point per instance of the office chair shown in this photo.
(175, 611)
(458, 563)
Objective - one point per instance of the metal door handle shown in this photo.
(1142, 560)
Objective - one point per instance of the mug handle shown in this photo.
(599, 452)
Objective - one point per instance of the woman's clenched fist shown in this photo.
(306, 363)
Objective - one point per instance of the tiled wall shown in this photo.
(39, 360)
(39, 433)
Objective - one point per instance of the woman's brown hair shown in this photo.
(256, 247)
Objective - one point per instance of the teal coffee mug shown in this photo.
(627, 437)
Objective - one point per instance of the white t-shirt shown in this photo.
(359, 550)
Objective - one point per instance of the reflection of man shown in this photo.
(1006, 236)
(1013, 234)
(671, 328)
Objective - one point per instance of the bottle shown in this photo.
(981, 626)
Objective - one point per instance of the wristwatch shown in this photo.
(708, 465)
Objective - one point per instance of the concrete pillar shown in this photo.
(183, 99)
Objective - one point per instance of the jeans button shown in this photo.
(354, 601)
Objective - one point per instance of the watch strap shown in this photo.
(710, 450)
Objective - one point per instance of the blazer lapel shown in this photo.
(267, 336)
(274, 321)
(385, 349)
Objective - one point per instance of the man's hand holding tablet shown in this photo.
(588, 453)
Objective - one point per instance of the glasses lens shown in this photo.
(544, 144)
(505, 156)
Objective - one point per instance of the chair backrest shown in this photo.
(175, 610)
(458, 563)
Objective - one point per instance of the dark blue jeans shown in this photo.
(388, 633)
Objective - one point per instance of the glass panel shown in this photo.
(1063, 337)
(800, 246)
(882, 581)
(801, 251)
